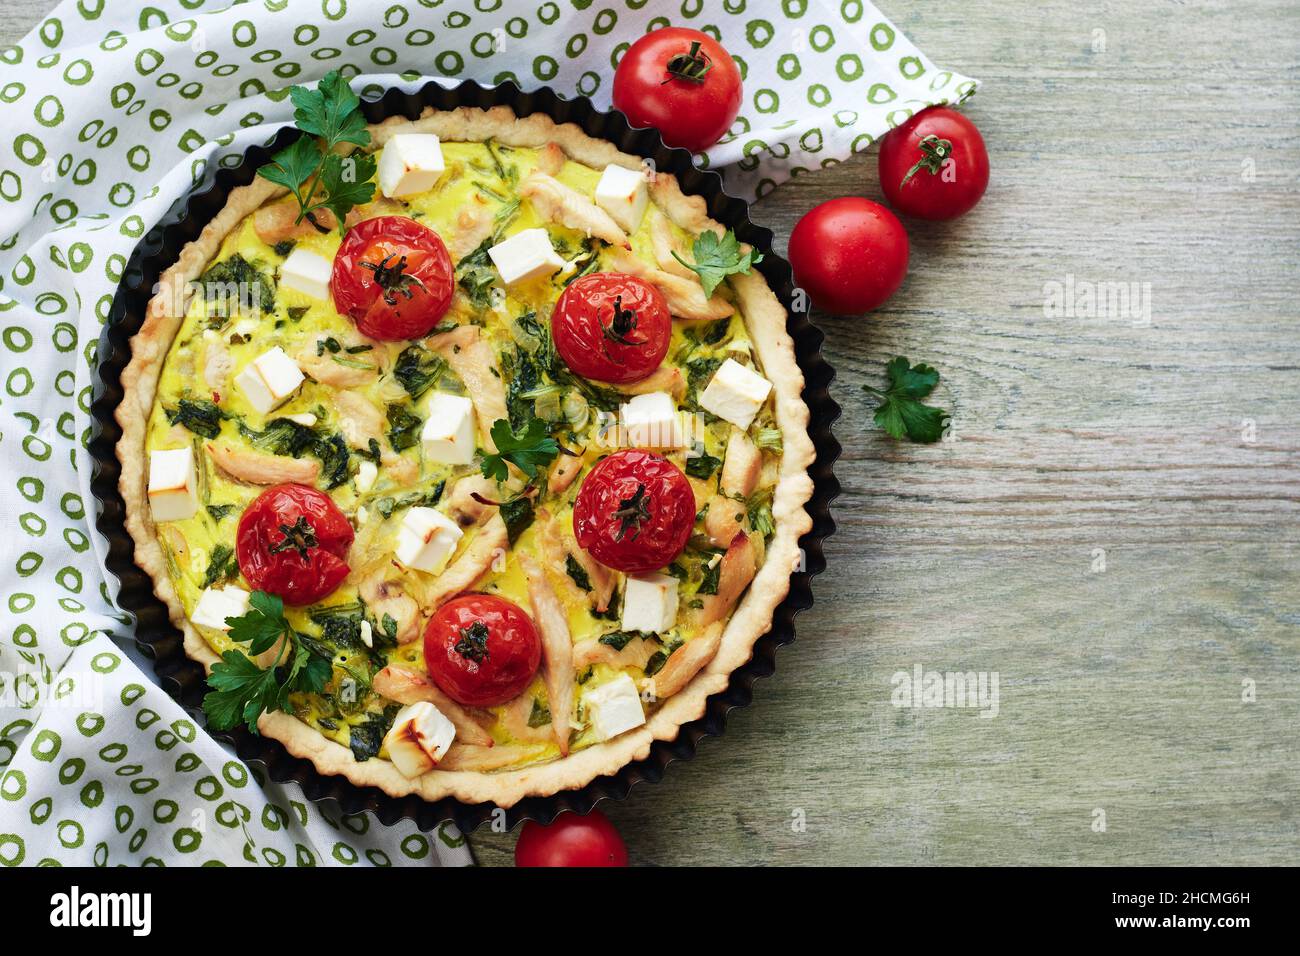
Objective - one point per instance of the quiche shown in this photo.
(480, 486)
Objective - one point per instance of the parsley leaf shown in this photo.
(332, 113)
(901, 411)
(715, 258)
(243, 691)
(529, 449)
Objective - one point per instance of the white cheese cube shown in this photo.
(651, 421)
(367, 634)
(410, 163)
(650, 603)
(173, 484)
(426, 540)
(614, 707)
(525, 255)
(735, 394)
(366, 476)
(270, 380)
(419, 737)
(217, 604)
(623, 193)
(448, 434)
(305, 419)
(308, 273)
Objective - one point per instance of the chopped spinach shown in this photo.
(222, 566)
(417, 369)
(540, 716)
(517, 513)
(389, 503)
(577, 572)
(284, 247)
(403, 426)
(219, 512)
(758, 507)
(619, 639)
(237, 281)
(281, 436)
(702, 466)
(199, 415)
(367, 737)
(334, 460)
(656, 663)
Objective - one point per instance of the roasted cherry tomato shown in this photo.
(634, 511)
(482, 650)
(293, 541)
(682, 83)
(934, 166)
(571, 840)
(849, 254)
(393, 277)
(612, 327)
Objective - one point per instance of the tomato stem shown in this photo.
(691, 67)
(394, 279)
(933, 153)
(631, 512)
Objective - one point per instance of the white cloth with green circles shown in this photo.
(110, 115)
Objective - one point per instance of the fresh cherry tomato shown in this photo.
(934, 166)
(571, 840)
(682, 83)
(634, 511)
(293, 541)
(482, 650)
(612, 327)
(393, 277)
(849, 254)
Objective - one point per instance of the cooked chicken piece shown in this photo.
(665, 244)
(410, 687)
(325, 370)
(483, 759)
(461, 504)
(741, 465)
(551, 159)
(402, 471)
(275, 223)
(488, 546)
(556, 202)
(663, 379)
(474, 223)
(685, 662)
(474, 361)
(635, 653)
(601, 578)
(563, 472)
(384, 594)
(739, 565)
(217, 366)
(359, 418)
(557, 650)
(723, 520)
(514, 720)
(259, 469)
(685, 297)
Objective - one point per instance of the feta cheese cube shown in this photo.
(651, 421)
(615, 707)
(419, 738)
(623, 193)
(217, 604)
(366, 476)
(735, 394)
(426, 540)
(305, 419)
(270, 380)
(448, 434)
(308, 273)
(173, 484)
(367, 634)
(649, 603)
(410, 163)
(525, 255)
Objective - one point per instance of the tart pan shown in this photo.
(158, 639)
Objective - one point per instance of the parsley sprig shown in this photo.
(901, 411)
(715, 258)
(310, 166)
(530, 449)
(242, 691)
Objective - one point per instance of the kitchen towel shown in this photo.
(111, 112)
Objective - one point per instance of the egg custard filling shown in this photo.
(475, 480)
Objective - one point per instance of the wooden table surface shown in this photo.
(1114, 529)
